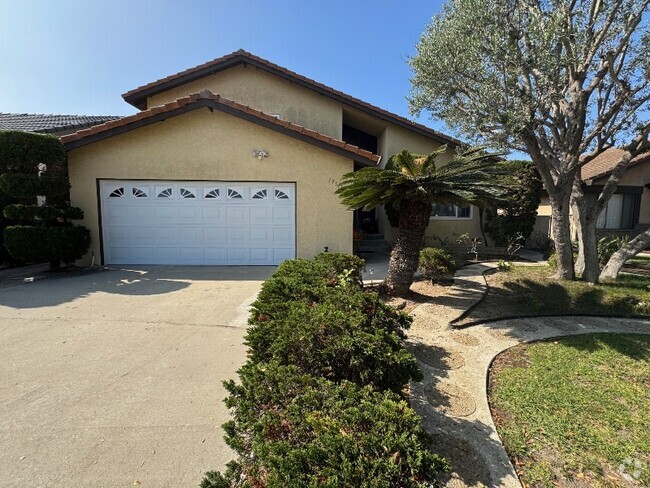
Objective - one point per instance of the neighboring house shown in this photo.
(52, 124)
(236, 162)
(628, 210)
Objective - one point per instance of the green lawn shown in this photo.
(532, 290)
(573, 410)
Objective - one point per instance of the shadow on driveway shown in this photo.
(60, 288)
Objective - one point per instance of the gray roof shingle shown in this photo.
(49, 122)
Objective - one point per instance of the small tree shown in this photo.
(515, 218)
(33, 166)
(411, 183)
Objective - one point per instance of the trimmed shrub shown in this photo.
(33, 165)
(436, 263)
(24, 151)
(348, 336)
(306, 280)
(291, 429)
(51, 244)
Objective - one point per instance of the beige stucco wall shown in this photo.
(201, 145)
(638, 175)
(268, 93)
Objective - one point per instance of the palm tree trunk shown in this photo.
(413, 220)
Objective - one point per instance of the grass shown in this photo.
(572, 411)
(532, 290)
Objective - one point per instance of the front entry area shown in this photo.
(197, 222)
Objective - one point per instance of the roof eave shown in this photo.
(214, 105)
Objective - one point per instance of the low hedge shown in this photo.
(52, 244)
(318, 402)
(350, 335)
(294, 430)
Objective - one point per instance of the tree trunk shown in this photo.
(584, 217)
(413, 220)
(561, 227)
(618, 259)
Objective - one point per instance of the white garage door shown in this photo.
(197, 223)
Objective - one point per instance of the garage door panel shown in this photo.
(236, 235)
(213, 235)
(260, 256)
(237, 215)
(214, 255)
(195, 223)
(214, 214)
(191, 235)
(281, 254)
(167, 214)
(237, 255)
(282, 214)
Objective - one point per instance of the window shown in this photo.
(138, 192)
(260, 195)
(450, 212)
(187, 193)
(232, 193)
(117, 193)
(619, 212)
(280, 195)
(166, 193)
(214, 193)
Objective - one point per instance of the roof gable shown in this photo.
(212, 101)
(138, 96)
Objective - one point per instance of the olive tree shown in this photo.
(560, 80)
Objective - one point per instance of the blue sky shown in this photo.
(78, 57)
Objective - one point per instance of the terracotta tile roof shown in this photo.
(50, 122)
(138, 96)
(604, 163)
(208, 99)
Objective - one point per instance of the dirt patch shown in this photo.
(421, 292)
(450, 399)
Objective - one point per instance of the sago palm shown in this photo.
(411, 184)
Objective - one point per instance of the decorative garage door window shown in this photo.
(198, 222)
(165, 192)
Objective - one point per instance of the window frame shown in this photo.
(456, 217)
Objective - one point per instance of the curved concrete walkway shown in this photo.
(452, 398)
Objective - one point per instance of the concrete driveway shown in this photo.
(113, 378)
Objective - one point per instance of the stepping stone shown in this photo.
(465, 338)
(450, 400)
(438, 357)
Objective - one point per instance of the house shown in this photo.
(627, 211)
(236, 162)
(51, 124)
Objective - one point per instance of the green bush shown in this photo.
(52, 244)
(291, 429)
(436, 263)
(349, 335)
(24, 151)
(608, 245)
(306, 280)
(42, 212)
